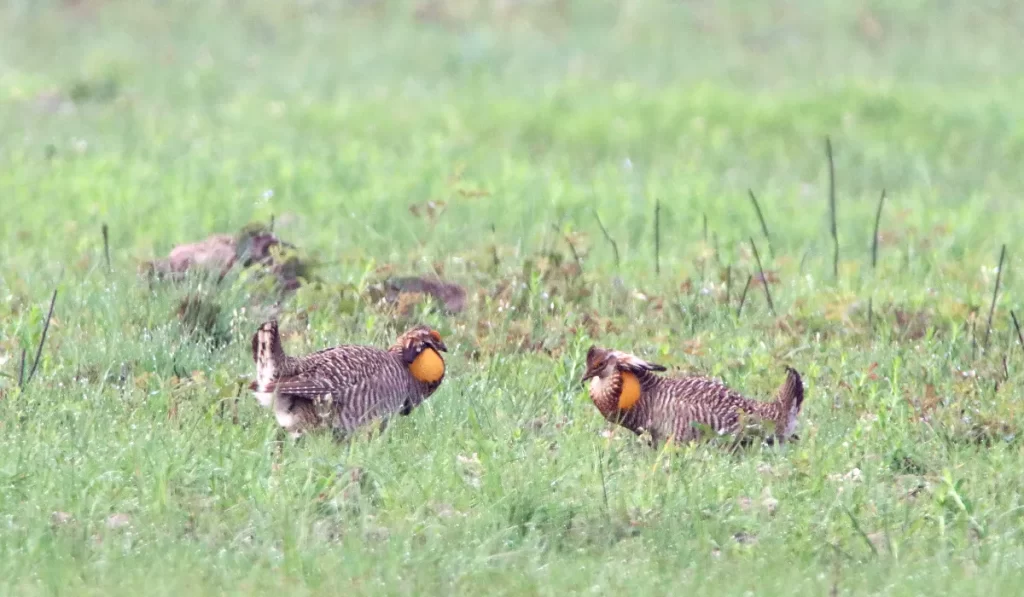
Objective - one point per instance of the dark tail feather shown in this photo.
(270, 359)
(266, 339)
(791, 393)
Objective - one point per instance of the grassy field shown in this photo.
(483, 140)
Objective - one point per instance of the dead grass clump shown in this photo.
(982, 431)
(911, 324)
(407, 292)
(254, 247)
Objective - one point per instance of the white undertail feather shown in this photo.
(285, 419)
(264, 398)
(791, 421)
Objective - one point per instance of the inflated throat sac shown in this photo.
(428, 366)
(630, 391)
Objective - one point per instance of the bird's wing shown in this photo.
(339, 371)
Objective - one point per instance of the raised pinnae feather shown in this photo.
(633, 362)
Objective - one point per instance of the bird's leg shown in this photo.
(377, 429)
(323, 406)
(649, 438)
(278, 443)
(340, 434)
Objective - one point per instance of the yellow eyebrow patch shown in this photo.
(630, 391)
(428, 366)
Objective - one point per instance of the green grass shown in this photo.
(169, 121)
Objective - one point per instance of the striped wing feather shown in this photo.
(340, 371)
(710, 402)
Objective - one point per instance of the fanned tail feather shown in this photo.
(790, 399)
(269, 358)
(791, 392)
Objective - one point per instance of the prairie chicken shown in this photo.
(346, 386)
(627, 391)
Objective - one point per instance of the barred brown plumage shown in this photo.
(346, 386)
(627, 391)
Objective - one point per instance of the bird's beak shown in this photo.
(587, 376)
(441, 346)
